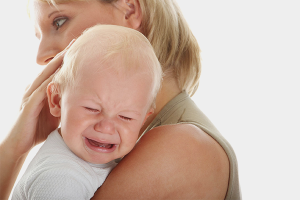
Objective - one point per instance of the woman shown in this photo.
(181, 155)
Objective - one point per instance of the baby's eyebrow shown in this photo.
(91, 100)
(96, 100)
(133, 111)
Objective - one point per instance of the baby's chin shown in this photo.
(98, 159)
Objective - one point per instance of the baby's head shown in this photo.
(105, 91)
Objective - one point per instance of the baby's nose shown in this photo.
(106, 126)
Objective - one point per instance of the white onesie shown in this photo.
(57, 173)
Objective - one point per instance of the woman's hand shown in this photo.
(35, 122)
(32, 127)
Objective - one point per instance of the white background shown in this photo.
(249, 85)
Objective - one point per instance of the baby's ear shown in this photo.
(150, 112)
(54, 97)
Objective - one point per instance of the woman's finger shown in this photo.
(38, 95)
(51, 67)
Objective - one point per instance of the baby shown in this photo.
(103, 94)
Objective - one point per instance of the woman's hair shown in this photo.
(172, 40)
(106, 43)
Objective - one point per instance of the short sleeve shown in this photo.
(59, 183)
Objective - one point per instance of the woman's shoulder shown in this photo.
(187, 136)
(185, 143)
(178, 161)
(188, 153)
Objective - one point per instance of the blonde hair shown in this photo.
(173, 42)
(105, 42)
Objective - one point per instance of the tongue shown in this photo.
(98, 144)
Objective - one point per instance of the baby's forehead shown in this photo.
(118, 62)
(115, 67)
(110, 80)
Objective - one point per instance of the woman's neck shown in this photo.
(168, 91)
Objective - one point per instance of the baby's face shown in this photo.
(101, 117)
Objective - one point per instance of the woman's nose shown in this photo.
(106, 126)
(47, 51)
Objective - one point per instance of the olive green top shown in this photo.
(182, 110)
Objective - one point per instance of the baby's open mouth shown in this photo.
(98, 144)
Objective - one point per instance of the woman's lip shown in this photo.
(99, 149)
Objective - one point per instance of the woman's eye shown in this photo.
(58, 22)
(91, 109)
(125, 118)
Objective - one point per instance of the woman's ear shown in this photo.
(54, 97)
(132, 13)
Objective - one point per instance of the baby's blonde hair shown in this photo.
(173, 42)
(105, 42)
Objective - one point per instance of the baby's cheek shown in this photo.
(77, 121)
(132, 139)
